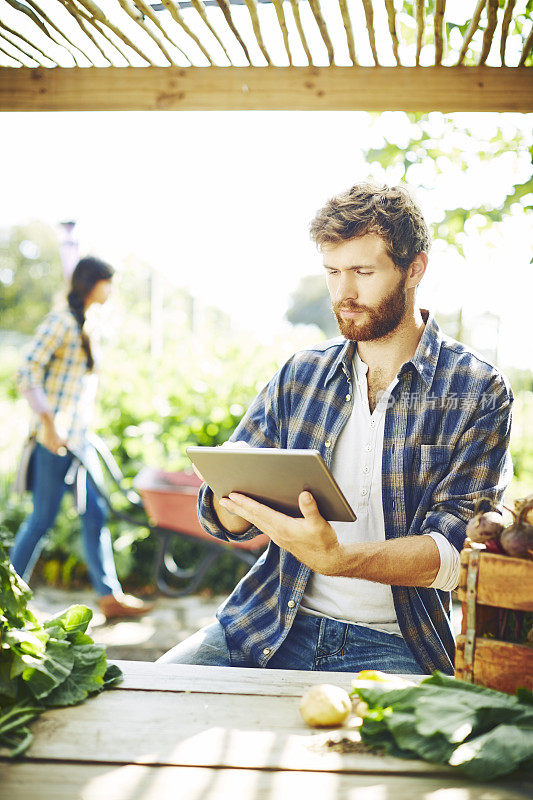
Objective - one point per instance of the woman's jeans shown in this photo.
(48, 471)
(313, 643)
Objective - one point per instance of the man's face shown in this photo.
(367, 291)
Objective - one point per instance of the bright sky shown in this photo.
(221, 202)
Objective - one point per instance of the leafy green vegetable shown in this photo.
(54, 664)
(479, 731)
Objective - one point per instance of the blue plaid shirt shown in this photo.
(446, 444)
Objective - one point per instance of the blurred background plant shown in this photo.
(151, 408)
(178, 371)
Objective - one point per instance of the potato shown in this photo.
(325, 706)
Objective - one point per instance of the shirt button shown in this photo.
(368, 447)
(328, 443)
(372, 423)
(291, 603)
(366, 469)
(348, 398)
(266, 651)
(363, 491)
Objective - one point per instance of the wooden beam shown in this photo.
(276, 88)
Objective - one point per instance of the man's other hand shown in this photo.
(311, 540)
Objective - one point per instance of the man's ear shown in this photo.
(416, 270)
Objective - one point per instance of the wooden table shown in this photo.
(200, 733)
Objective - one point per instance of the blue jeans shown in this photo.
(313, 643)
(48, 472)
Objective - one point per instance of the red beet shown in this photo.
(494, 546)
(484, 527)
(517, 540)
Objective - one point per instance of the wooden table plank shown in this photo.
(132, 782)
(143, 744)
(208, 730)
(228, 680)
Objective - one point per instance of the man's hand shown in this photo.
(311, 540)
(231, 522)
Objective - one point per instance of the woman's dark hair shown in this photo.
(87, 273)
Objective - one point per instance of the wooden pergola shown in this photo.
(376, 55)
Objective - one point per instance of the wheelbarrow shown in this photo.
(165, 503)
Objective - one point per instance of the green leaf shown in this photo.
(26, 641)
(17, 743)
(376, 735)
(80, 638)
(431, 748)
(8, 687)
(14, 594)
(42, 675)
(525, 695)
(56, 663)
(457, 715)
(87, 676)
(113, 675)
(379, 696)
(74, 620)
(429, 721)
(496, 753)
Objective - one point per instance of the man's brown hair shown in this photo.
(388, 211)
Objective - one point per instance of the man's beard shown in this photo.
(373, 323)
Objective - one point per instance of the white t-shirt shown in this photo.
(356, 466)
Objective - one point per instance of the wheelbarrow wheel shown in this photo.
(168, 572)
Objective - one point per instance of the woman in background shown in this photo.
(59, 380)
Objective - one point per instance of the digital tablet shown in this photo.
(273, 477)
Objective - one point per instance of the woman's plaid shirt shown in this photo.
(57, 362)
(446, 444)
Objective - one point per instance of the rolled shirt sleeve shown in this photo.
(447, 577)
(37, 400)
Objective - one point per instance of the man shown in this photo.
(415, 428)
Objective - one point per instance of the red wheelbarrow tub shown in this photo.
(170, 498)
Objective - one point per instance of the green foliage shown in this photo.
(30, 275)
(443, 144)
(152, 413)
(457, 23)
(149, 411)
(310, 305)
(54, 664)
(196, 393)
(481, 732)
(198, 400)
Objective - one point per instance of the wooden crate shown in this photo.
(501, 582)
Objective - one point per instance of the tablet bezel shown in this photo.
(284, 474)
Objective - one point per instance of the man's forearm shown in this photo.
(409, 561)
